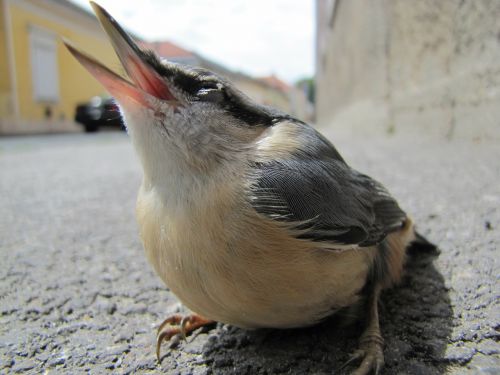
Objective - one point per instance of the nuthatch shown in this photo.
(250, 216)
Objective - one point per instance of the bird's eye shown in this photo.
(211, 91)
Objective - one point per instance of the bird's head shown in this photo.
(188, 117)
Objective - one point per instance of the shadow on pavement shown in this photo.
(416, 322)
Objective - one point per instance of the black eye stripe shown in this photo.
(210, 85)
(192, 80)
(193, 84)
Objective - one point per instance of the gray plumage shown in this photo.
(328, 199)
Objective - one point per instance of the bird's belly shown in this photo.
(251, 282)
(271, 300)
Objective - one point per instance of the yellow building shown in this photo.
(40, 82)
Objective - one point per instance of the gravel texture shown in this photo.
(77, 295)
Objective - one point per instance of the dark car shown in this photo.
(99, 112)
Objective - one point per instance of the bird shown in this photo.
(250, 216)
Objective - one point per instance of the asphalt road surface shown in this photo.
(77, 294)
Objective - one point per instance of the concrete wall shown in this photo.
(398, 66)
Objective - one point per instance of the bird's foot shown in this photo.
(371, 354)
(176, 327)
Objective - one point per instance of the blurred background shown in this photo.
(265, 48)
(430, 67)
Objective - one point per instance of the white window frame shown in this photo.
(44, 65)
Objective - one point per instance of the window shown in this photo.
(44, 70)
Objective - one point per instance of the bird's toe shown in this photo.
(175, 328)
(371, 355)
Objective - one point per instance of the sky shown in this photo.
(257, 37)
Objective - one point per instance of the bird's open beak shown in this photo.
(146, 81)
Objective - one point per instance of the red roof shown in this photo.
(277, 83)
(167, 49)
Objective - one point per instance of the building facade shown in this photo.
(427, 67)
(40, 82)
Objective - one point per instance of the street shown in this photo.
(77, 294)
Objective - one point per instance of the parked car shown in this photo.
(99, 112)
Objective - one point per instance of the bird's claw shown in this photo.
(358, 354)
(184, 322)
(372, 355)
(175, 328)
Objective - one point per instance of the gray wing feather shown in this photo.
(327, 199)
